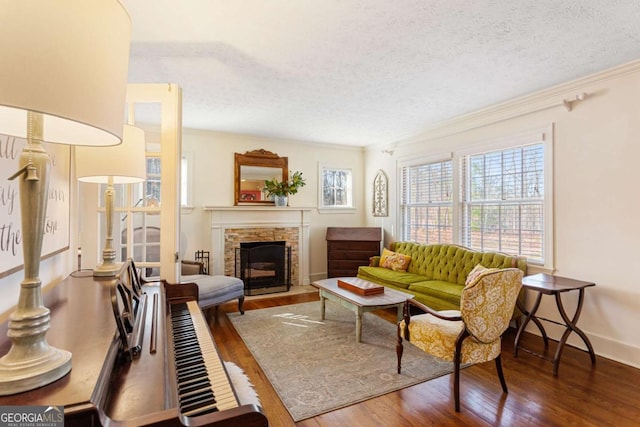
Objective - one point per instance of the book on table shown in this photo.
(360, 286)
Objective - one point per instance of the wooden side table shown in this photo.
(546, 284)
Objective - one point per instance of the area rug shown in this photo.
(316, 366)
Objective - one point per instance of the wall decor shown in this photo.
(56, 230)
(380, 184)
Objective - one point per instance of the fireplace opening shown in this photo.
(264, 267)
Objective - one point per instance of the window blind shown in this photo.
(503, 201)
(426, 203)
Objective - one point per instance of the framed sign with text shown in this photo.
(56, 230)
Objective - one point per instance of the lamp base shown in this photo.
(28, 374)
(106, 270)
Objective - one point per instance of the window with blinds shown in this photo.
(503, 201)
(426, 205)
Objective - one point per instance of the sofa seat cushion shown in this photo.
(385, 276)
(444, 291)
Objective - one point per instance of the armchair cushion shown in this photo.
(438, 337)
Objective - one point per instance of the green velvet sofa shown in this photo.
(436, 273)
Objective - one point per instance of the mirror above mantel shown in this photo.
(251, 170)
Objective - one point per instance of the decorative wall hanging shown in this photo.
(380, 183)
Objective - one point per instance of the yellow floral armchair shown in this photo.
(471, 335)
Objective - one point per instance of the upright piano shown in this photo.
(142, 354)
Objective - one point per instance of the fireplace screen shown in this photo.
(264, 267)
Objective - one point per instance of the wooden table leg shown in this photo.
(359, 314)
(322, 305)
(571, 327)
(529, 315)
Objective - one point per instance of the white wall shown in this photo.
(596, 179)
(596, 152)
(213, 171)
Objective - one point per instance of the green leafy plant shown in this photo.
(273, 187)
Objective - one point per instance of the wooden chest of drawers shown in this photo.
(350, 247)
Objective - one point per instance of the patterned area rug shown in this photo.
(317, 367)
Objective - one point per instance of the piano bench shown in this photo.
(216, 290)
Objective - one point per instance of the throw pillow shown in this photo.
(394, 260)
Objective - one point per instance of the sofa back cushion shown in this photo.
(452, 263)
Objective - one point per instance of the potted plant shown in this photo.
(282, 189)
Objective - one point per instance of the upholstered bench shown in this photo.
(215, 290)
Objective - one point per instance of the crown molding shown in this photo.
(562, 95)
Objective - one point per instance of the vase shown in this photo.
(281, 200)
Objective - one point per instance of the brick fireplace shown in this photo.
(264, 267)
(234, 237)
(231, 225)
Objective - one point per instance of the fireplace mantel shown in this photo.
(250, 216)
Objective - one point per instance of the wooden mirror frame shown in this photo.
(261, 158)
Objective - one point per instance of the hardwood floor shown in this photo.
(605, 395)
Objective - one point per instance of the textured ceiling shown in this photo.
(367, 72)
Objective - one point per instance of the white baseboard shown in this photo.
(317, 276)
(603, 346)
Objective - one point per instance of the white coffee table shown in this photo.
(359, 304)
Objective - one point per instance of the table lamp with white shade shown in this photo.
(122, 164)
(63, 79)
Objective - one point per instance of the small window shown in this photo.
(336, 188)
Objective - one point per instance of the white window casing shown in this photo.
(501, 197)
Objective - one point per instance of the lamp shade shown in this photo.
(125, 163)
(67, 60)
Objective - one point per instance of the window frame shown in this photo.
(543, 135)
(426, 160)
(350, 207)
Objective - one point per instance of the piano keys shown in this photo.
(203, 385)
(138, 379)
